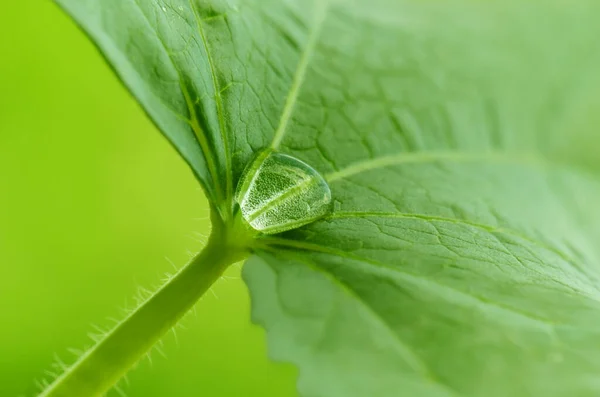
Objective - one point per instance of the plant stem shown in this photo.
(110, 359)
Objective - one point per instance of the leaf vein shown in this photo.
(219, 103)
(430, 157)
(406, 275)
(487, 228)
(193, 121)
(300, 73)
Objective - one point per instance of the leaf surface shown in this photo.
(460, 142)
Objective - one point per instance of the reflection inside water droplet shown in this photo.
(278, 192)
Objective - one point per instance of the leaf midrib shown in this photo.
(219, 104)
(197, 130)
(300, 73)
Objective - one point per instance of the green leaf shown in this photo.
(459, 139)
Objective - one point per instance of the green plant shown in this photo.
(461, 254)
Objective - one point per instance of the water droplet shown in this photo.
(278, 192)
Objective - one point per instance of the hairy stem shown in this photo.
(102, 366)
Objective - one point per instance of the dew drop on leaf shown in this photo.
(278, 192)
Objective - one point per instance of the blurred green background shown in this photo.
(93, 204)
